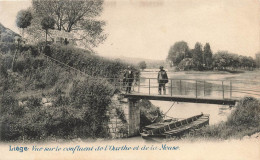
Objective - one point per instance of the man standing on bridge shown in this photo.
(162, 80)
(128, 79)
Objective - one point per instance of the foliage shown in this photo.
(257, 57)
(243, 121)
(178, 52)
(207, 56)
(47, 23)
(142, 65)
(23, 19)
(6, 35)
(79, 102)
(246, 113)
(148, 113)
(7, 47)
(186, 64)
(33, 121)
(223, 60)
(77, 17)
(179, 55)
(197, 56)
(83, 60)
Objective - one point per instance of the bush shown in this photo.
(7, 61)
(148, 113)
(77, 111)
(243, 121)
(246, 113)
(83, 60)
(7, 47)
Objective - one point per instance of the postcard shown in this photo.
(130, 79)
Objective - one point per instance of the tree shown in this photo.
(257, 59)
(77, 17)
(47, 23)
(197, 56)
(178, 52)
(142, 65)
(186, 64)
(221, 60)
(23, 19)
(207, 56)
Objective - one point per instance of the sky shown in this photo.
(148, 28)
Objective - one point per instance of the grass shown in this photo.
(243, 121)
(79, 104)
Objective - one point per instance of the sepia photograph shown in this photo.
(130, 79)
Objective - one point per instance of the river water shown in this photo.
(209, 84)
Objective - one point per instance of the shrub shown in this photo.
(93, 98)
(243, 121)
(246, 113)
(148, 113)
(6, 47)
(85, 61)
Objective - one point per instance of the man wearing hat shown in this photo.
(162, 80)
(128, 79)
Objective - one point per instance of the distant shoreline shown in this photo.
(200, 72)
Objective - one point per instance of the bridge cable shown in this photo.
(165, 114)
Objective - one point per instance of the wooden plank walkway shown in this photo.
(181, 99)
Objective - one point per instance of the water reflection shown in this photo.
(189, 88)
(209, 85)
(206, 86)
(210, 88)
(217, 113)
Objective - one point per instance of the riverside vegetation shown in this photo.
(80, 103)
(243, 121)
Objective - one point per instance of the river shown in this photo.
(213, 89)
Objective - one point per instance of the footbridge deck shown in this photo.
(181, 99)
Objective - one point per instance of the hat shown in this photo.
(161, 67)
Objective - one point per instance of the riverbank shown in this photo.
(243, 122)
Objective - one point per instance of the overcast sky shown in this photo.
(147, 28)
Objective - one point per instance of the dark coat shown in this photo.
(129, 76)
(163, 78)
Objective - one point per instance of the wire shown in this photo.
(165, 114)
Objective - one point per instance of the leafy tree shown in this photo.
(47, 23)
(234, 60)
(142, 65)
(257, 57)
(77, 17)
(23, 19)
(220, 60)
(223, 60)
(207, 56)
(186, 64)
(178, 52)
(197, 56)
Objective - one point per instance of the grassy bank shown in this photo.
(77, 105)
(243, 121)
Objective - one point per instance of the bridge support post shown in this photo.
(134, 117)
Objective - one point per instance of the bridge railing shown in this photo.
(195, 88)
